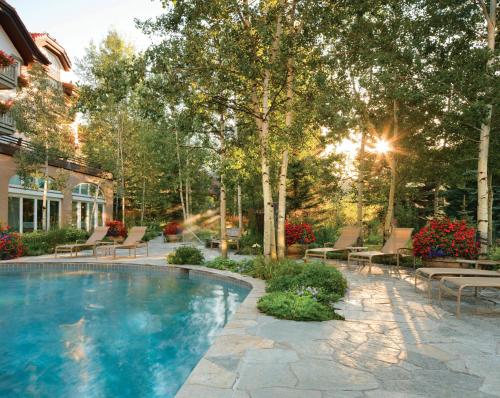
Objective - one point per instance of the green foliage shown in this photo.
(287, 305)
(40, 242)
(329, 282)
(186, 255)
(495, 254)
(222, 264)
(326, 234)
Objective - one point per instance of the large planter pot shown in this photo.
(295, 250)
(173, 238)
(116, 239)
(441, 262)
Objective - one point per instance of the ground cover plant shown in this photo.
(186, 255)
(295, 291)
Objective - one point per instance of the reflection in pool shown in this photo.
(106, 334)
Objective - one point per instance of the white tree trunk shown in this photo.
(181, 190)
(45, 192)
(392, 164)
(223, 205)
(360, 182)
(282, 205)
(240, 211)
(490, 209)
(484, 139)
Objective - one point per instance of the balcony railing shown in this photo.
(7, 124)
(8, 76)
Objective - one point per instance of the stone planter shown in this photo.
(173, 238)
(295, 250)
(116, 239)
(442, 262)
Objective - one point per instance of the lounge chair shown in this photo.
(92, 242)
(348, 238)
(428, 274)
(395, 246)
(462, 283)
(133, 242)
(233, 235)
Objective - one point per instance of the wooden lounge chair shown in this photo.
(428, 274)
(92, 242)
(462, 283)
(233, 235)
(348, 237)
(133, 242)
(395, 246)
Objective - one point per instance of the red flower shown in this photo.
(116, 228)
(299, 233)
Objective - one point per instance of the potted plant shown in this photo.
(6, 59)
(443, 241)
(6, 105)
(68, 88)
(297, 236)
(117, 231)
(172, 232)
(22, 80)
(11, 245)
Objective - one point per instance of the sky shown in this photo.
(74, 23)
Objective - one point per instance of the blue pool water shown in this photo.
(106, 334)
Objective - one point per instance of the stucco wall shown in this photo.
(8, 169)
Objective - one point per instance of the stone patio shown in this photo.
(394, 343)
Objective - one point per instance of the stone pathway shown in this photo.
(393, 344)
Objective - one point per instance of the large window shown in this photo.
(26, 202)
(88, 206)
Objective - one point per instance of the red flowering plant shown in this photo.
(442, 237)
(116, 229)
(6, 105)
(11, 245)
(6, 59)
(172, 228)
(299, 233)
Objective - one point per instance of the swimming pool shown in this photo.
(130, 332)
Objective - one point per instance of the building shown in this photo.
(87, 198)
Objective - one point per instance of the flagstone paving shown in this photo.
(394, 343)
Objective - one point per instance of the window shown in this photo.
(39, 214)
(14, 213)
(28, 213)
(54, 214)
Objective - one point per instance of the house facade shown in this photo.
(86, 199)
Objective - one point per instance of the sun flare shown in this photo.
(382, 146)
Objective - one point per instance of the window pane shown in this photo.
(83, 215)
(100, 211)
(13, 220)
(84, 189)
(28, 214)
(74, 214)
(54, 214)
(39, 213)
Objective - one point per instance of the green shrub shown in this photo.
(222, 263)
(494, 254)
(186, 255)
(40, 242)
(251, 243)
(287, 305)
(325, 235)
(328, 284)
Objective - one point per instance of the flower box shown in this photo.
(172, 232)
(443, 262)
(6, 59)
(295, 250)
(6, 105)
(22, 81)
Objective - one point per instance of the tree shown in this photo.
(44, 114)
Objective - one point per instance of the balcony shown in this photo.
(7, 124)
(8, 77)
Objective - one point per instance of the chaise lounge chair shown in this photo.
(133, 242)
(348, 238)
(428, 274)
(92, 242)
(462, 283)
(233, 235)
(395, 246)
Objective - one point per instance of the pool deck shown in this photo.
(393, 344)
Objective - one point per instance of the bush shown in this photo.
(324, 235)
(11, 245)
(287, 305)
(172, 228)
(186, 255)
(41, 242)
(443, 237)
(326, 284)
(223, 264)
(116, 229)
(299, 233)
